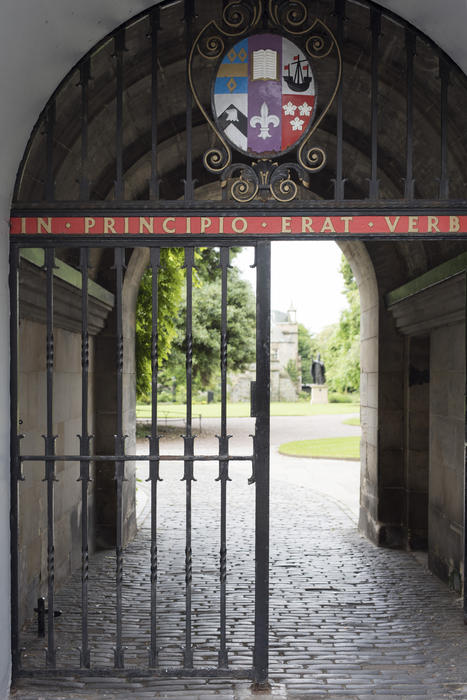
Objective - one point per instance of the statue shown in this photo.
(318, 370)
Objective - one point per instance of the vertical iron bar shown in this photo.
(119, 50)
(14, 451)
(223, 463)
(465, 457)
(154, 451)
(49, 176)
(50, 464)
(84, 82)
(119, 450)
(444, 71)
(339, 182)
(375, 34)
(188, 438)
(155, 27)
(411, 48)
(188, 19)
(84, 439)
(261, 447)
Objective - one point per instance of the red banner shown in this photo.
(238, 225)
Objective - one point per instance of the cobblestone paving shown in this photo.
(348, 620)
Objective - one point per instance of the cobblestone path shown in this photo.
(348, 620)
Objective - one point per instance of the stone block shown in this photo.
(391, 469)
(369, 355)
(417, 470)
(391, 433)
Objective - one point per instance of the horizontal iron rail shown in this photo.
(136, 458)
(324, 207)
(211, 672)
(106, 241)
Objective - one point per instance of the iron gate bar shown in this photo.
(15, 463)
(339, 181)
(188, 440)
(155, 257)
(119, 463)
(119, 51)
(155, 27)
(137, 458)
(261, 446)
(444, 70)
(411, 49)
(84, 443)
(375, 34)
(104, 671)
(49, 162)
(49, 440)
(189, 15)
(85, 76)
(464, 587)
(223, 463)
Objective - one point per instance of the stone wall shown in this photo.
(67, 489)
(446, 480)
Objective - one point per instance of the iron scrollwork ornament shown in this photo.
(264, 101)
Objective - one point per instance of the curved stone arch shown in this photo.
(365, 276)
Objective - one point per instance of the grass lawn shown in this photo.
(241, 410)
(351, 421)
(330, 448)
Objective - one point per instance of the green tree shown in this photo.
(340, 343)
(241, 320)
(171, 279)
(206, 322)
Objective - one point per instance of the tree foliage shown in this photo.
(206, 321)
(340, 343)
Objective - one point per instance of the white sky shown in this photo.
(305, 273)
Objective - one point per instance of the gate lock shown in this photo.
(42, 611)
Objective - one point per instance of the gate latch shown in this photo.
(42, 611)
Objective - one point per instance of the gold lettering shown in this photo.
(126, 224)
(307, 224)
(454, 224)
(433, 222)
(165, 228)
(328, 226)
(44, 225)
(413, 224)
(23, 225)
(286, 221)
(89, 223)
(392, 225)
(347, 221)
(146, 225)
(221, 224)
(188, 224)
(109, 225)
(205, 223)
(239, 225)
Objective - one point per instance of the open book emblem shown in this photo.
(264, 95)
(264, 64)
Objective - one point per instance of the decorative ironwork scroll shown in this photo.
(260, 60)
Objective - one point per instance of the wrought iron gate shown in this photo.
(84, 661)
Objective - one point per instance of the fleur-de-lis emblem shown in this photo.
(263, 120)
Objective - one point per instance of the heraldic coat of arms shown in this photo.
(264, 95)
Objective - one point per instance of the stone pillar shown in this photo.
(417, 440)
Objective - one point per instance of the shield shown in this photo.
(264, 95)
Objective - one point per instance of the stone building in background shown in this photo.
(286, 373)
